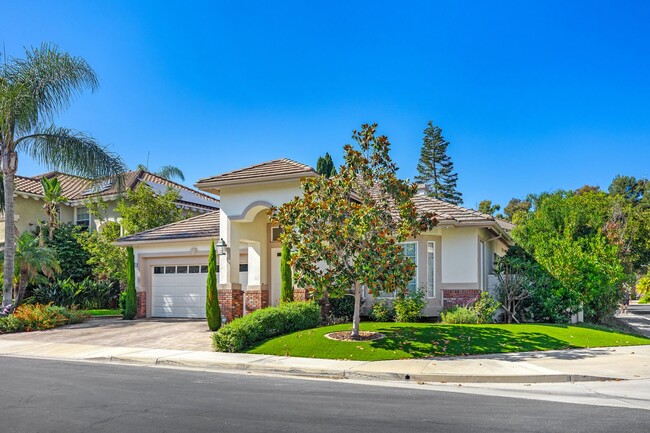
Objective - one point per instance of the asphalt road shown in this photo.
(49, 396)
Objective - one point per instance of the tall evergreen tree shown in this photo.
(325, 166)
(212, 309)
(435, 168)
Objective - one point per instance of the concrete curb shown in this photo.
(412, 370)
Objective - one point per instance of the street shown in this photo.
(50, 396)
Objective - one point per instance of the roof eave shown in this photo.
(216, 185)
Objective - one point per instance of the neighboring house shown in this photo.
(453, 259)
(77, 190)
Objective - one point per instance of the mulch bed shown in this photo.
(347, 336)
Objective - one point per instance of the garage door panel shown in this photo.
(178, 295)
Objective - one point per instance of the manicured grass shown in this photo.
(105, 312)
(420, 340)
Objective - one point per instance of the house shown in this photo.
(77, 190)
(453, 259)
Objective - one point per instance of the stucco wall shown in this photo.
(460, 256)
(236, 200)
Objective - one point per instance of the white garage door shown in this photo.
(179, 291)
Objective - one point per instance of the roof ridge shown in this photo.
(299, 164)
(180, 185)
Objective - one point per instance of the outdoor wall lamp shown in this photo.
(221, 247)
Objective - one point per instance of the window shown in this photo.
(482, 266)
(410, 250)
(275, 234)
(170, 269)
(194, 269)
(243, 267)
(431, 269)
(83, 217)
(204, 269)
(158, 270)
(181, 269)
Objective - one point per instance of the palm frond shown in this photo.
(45, 83)
(72, 152)
(170, 172)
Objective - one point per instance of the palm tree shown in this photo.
(53, 198)
(33, 91)
(167, 171)
(31, 259)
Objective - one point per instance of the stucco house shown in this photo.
(77, 190)
(453, 259)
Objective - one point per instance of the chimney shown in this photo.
(423, 189)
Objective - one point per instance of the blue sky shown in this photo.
(533, 96)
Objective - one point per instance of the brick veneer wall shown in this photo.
(231, 303)
(300, 294)
(256, 299)
(140, 305)
(459, 296)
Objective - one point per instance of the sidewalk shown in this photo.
(612, 363)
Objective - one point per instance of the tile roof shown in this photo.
(447, 212)
(201, 226)
(277, 168)
(79, 188)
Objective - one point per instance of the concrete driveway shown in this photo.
(176, 334)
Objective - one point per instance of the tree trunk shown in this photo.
(356, 318)
(9, 164)
(22, 286)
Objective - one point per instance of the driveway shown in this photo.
(176, 334)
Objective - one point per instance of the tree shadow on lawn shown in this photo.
(452, 340)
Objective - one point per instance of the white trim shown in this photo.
(431, 269)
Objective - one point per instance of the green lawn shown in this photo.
(105, 312)
(420, 340)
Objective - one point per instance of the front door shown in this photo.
(276, 281)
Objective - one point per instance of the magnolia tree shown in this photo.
(345, 229)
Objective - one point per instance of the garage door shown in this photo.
(179, 291)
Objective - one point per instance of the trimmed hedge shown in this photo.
(263, 324)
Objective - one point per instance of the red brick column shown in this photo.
(462, 297)
(231, 302)
(141, 305)
(256, 299)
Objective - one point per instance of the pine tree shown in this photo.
(130, 301)
(286, 286)
(435, 168)
(325, 166)
(212, 309)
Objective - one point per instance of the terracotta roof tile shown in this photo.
(79, 188)
(202, 226)
(276, 168)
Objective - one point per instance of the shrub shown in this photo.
(459, 316)
(286, 284)
(643, 286)
(212, 308)
(645, 299)
(342, 307)
(11, 323)
(408, 308)
(129, 310)
(39, 317)
(485, 306)
(266, 323)
(73, 315)
(87, 294)
(382, 311)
